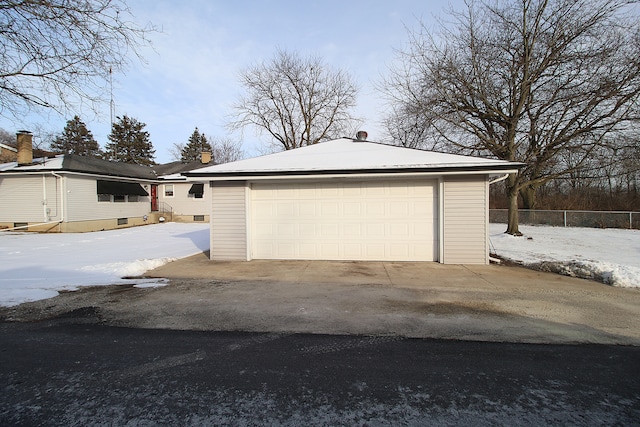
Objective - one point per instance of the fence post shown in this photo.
(565, 218)
(630, 220)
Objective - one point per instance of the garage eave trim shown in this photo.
(399, 173)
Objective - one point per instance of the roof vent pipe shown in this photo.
(361, 135)
(24, 141)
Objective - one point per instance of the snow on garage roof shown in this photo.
(346, 155)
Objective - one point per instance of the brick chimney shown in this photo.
(25, 147)
(205, 157)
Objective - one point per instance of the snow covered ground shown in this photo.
(610, 256)
(37, 266)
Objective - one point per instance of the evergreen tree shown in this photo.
(195, 147)
(129, 143)
(76, 139)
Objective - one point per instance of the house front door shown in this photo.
(154, 198)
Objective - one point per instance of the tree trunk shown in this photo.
(528, 194)
(512, 194)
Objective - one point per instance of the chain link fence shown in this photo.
(592, 219)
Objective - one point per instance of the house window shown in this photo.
(168, 190)
(196, 191)
(119, 191)
(198, 217)
(123, 221)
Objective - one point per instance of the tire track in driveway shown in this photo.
(349, 343)
(164, 363)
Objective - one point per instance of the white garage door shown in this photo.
(372, 220)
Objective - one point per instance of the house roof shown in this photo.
(174, 170)
(8, 147)
(346, 155)
(82, 164)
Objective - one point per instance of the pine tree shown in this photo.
(76, 139)
(129, 143)
(195, 147)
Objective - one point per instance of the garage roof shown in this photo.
(347, 155)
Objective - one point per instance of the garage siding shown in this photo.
(229, 221)
(465, 221)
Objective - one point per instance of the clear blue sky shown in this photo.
(191, 78)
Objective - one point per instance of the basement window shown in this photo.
(123, 221)
(21, 225)
(198, 217)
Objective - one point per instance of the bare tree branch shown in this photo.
(296, 101)
(528, 81)
(59, 54)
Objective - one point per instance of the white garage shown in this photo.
(352, 200)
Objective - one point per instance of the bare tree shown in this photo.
(223, 150)
(298, 101)
(526, 81)
(226, 150)
(57, 54)
(7, 137)
(175, 150)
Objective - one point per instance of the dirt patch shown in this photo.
(448, 308)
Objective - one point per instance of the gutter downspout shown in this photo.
(62, 191)
(61, 195)
(502, 178)
(44, 198)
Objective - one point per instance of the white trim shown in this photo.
(487, 184)
(248, 221)
(390, 175)
(90, 175)
(8, 147)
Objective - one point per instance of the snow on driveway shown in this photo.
(610, 255)
(36, 266)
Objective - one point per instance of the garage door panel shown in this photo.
(329, 209)
(352, 230)
(374, 209)
(399, 230)
(344, 221)
(375, 250)
(307, 210)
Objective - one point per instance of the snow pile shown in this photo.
(37, 266)
(611, 256)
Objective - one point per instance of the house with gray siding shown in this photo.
(70, 193)
(179, 199)
(352, 199)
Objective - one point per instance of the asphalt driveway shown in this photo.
(426, 300)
